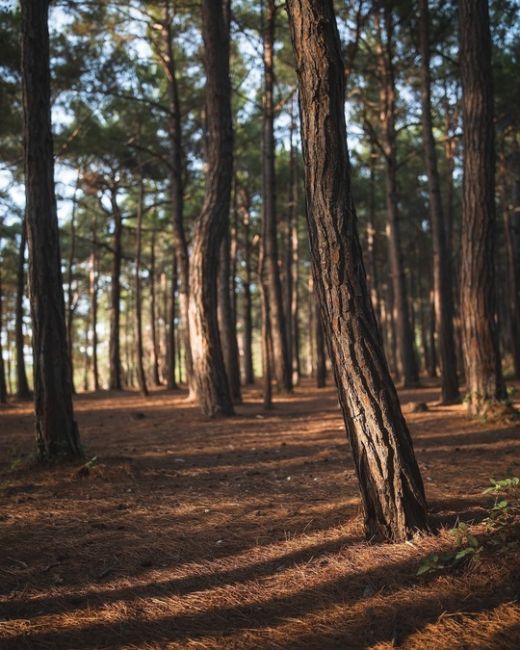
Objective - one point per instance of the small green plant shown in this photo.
(504, 485)
(467, 548)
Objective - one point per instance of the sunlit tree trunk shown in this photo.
(389, 478)
(56, 431)
(211, 382)
(485, 385)
(115, 374)
(93, 288)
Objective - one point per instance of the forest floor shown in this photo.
(244, 533)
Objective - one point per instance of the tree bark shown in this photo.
(485, 384)
(443, 297)
(177, 194)
(321, 357)
(3, 385)
(281, 362)
(226, 321)
(115, 374)
(153, 315)
(245, 206)
(170, 330)
(407, 362)
(93, 288)
(141, 376)
(265, 333)
(22, 385)
(211, 382)
(389, 478)
(56, 431)
(71, 301)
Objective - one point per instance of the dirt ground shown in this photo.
(243, 533)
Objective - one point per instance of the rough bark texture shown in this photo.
(22, 385)
(177, 193)
(56, 431)
(407, 362)
(226, 321)
(389, 478)
(485, 385)
(442, 278)
(321, 358)
(115, 371)
(211, 383)
(281, 362)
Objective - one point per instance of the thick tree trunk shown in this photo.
(226, 321)
(22, 385)
(407, 362)
(211, 382)
(485, 385)
(56, 431)
(389, 477)
(153, 315)
(170, 330)
(281, 362)
(177, 194)
(442, 278)
(245, 205)
(141, 376)
(115, 371)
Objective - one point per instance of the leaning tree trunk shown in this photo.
(115, 379)
(226, 320)
(281, 362)
(211, 382)
(485, 385)
(442, 288)
(56, 431)
(389, 478)
(22, 385)
(407, 362)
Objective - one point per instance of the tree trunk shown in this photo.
(245, 205)
(115, 380)
(71, 302)
(3, 385)
(212, 387)
(485, 385)
(177, 194)
(226, 321)
(153, 315)
(281, 361)
(93, 288)
(321, 357)
(22, 385)
(170, 331)
(141, 376)
(265, 334)
(442, 278)
(389, 478)
(56, 431)
(407, 362)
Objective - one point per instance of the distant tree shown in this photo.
(56, 431)
(389, 478)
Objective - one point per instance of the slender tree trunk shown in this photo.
(321, 357)
(93, 287)
(71, 301)
(22, 385)
(407, 362)
(56, 431)
(115, 379)
(442, 278)
(389, 478)
(170, 330)
(227, 325)
(153, 315)
(265, 334)
(3, 385)
(485, 385)
(281, 361)
(372, 241)
(249, 376)
(177, 194)
(211, 382)
(432, 369)
(141, 376)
